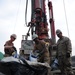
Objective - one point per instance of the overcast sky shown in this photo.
(12, 20)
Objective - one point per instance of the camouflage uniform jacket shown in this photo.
(63, 46)
(43, 52)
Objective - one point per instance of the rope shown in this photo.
(66, 17)
(16, 16)
(26, 13)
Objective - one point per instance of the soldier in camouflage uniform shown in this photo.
(9, 46)
(40, 47)
(64, 50)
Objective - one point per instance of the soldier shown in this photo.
(40, 47)
(64, 50)
(9, 48)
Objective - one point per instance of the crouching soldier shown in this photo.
(9, 46)
(40, 47)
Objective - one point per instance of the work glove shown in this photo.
(68, 55)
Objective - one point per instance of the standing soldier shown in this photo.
(64, 50)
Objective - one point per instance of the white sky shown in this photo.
(12, 20)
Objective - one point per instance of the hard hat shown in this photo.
(14, 35)
(34, 36)
(58, 31)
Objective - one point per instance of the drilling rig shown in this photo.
(39, 25)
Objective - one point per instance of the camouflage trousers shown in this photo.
(65, 65)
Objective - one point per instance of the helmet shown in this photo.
(14, 35)
(58, 31)
(34, 36)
